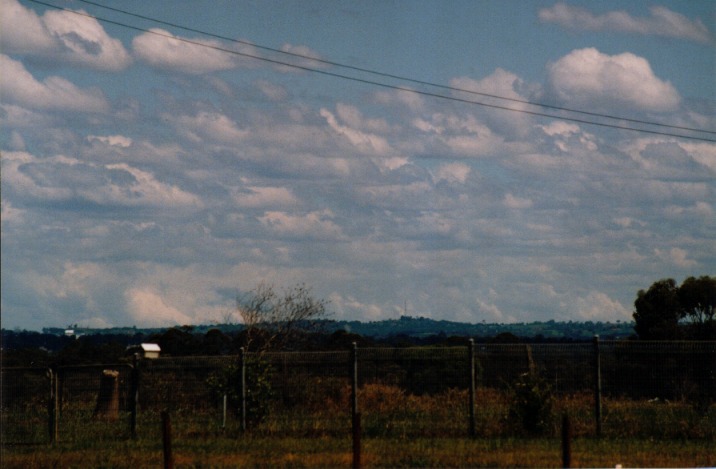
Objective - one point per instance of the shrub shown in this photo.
(531, 401)
(259, 392)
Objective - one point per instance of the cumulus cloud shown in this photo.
(504, 84)
(598, 306)
(662, 22)
(453, 173)
(317, 225)
(163, 50)
(212, 126)
(364, 141)
(62, 36)
(590, 79)
(55, 93)
(676, 256)
(464, 136)
(65, 179)
(147, 308)
(111, 140)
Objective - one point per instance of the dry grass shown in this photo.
(399, 430)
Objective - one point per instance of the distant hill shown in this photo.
(415, 327)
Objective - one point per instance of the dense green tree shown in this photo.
(657, 311)
(669, 311)
(697, 298)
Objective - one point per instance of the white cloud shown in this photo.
(86, 41)
(453, 172)
(60, 178)
(163, 50)
(568, 137)
(60, 36)
(492, 312)
(464, 136)
(662, 22)
(22, 31)
(676, 256)
(364, 141)
(142, 189)
(147, 308)
(504, 84)
(598, 306)
(111, 140)
(561, 128)
(20, 87)
(588, 79)
(317, 225)
(212, 126)
(9, 213)
(348, 307)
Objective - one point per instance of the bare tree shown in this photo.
(276, 320)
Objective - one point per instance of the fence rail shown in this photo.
(419, 391)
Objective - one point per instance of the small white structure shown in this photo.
(145, 350)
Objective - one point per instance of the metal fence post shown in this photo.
(355, 415)
(597, 386)
(471, 361)
(354, 379)
(242, 386)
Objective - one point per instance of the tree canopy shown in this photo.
(669, 311)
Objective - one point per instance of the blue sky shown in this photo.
(147, 180)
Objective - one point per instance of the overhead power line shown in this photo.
(390, 75)
(386, 75)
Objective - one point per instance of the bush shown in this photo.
(531, 401)
(259, 392)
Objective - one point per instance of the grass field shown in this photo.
(399, 430)
(273, 452)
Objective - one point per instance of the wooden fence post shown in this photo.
(133, 396)
(167, 440)
(566, 441)
(242, 386)
(597, 386)
(107, 407)
(355, 415)
(52, 406)
(471, 361)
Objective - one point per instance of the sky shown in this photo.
(478, 161)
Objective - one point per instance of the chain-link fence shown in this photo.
(399, 392)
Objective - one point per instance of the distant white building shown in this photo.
(145, 350)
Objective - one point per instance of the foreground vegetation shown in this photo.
(248, 451)
(399, 430)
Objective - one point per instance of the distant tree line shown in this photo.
(292, 319)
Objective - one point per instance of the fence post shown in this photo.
(242, 385)
(52, 407)
(355, 415)
(134, 396)
(471, 361)
(566, 441)
(167, 440)
(597, 386)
